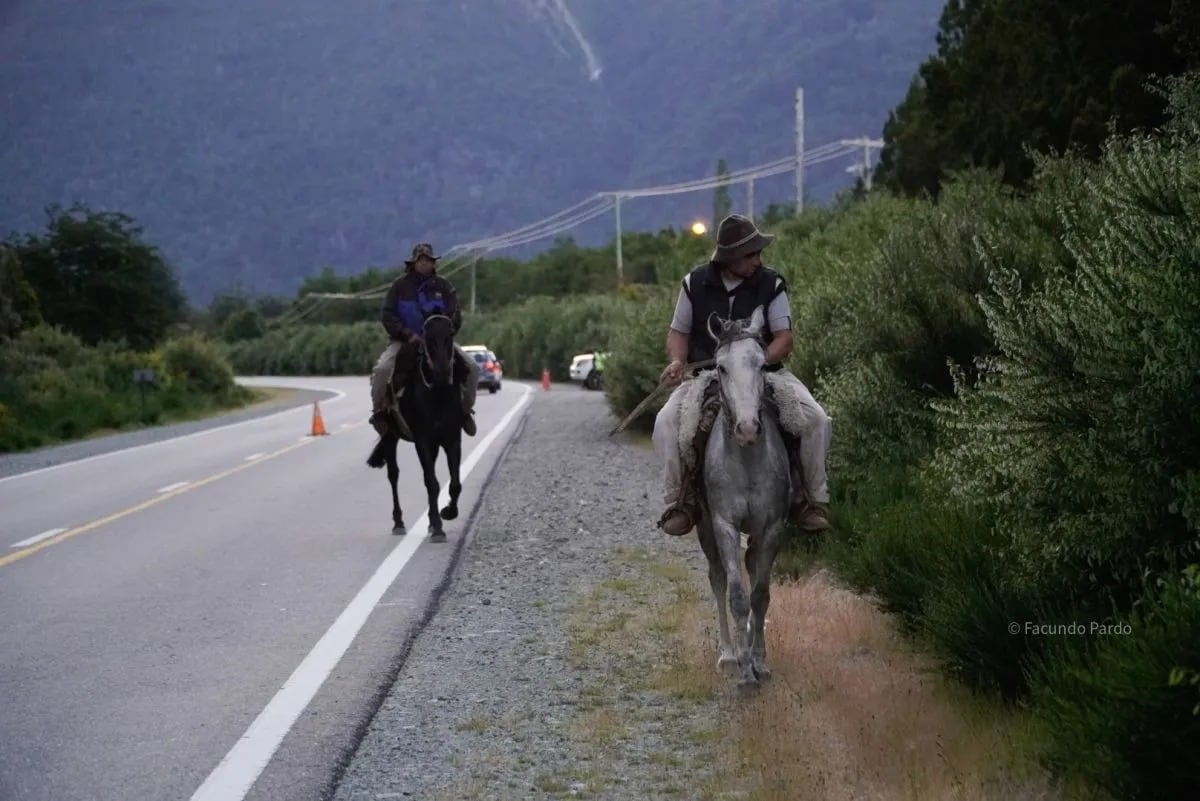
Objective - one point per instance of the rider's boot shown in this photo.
(680, 517)
(468, 422)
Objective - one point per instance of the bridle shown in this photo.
(425, 362)
(725, 342)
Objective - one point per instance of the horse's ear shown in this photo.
(756, 320)
(716, 326)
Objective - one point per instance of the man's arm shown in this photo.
(677, 345)
(780, 347)
(678, 336)
(391, 321)
(779, 323)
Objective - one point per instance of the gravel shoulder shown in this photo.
(560, 663)
(14, 463)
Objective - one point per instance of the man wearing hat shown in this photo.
(732, 284)
(415, 295)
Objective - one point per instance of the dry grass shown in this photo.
(851, 712)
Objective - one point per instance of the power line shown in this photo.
(467, 253)
(548, 226)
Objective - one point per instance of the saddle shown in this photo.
(408, 359)
(698, 415)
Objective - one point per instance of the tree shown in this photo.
(18, 301)
(95, 277)
(1011, 76)
(242, 324)
(722, 202)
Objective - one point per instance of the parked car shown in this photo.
(588, 369)
(491, 371)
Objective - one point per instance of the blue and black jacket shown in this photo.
(414, 297)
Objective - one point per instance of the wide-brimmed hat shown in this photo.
(737, 236)
(421, 249)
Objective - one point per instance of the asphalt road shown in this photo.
(215, 616)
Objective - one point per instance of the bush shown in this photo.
(1084, 428)
(197, 366)
(1107, 707)
(544, 332)
(310, 350)
(54, 388)
(637, 356)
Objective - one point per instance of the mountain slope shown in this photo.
(260, 140)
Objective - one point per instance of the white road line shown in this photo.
(338, 395)
(253, 456)
(232, 779)
(172, 487)
(45, 535)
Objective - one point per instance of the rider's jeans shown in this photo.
(666, 442)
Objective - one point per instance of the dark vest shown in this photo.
(705, 289)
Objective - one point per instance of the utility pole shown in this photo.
(620, 264)
(867, 145)
(750, 198)
(799, 150)
(473, 263)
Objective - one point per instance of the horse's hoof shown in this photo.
(437, 536)
(762, 671)
(399, 530)
(449, 512)
(725, 660)
(748, 683)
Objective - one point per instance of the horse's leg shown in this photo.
(760, 557)
(730, 545)
(427, 453)
(453, 449)
(393, 474)
(716, 580)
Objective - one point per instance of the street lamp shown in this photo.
(699, 228)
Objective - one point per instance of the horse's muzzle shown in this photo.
(746, 431)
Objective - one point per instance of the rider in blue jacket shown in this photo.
(413, 297)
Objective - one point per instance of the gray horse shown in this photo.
(746, 488)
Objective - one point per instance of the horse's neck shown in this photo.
(752, 457)
(422, 398)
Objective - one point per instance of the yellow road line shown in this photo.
(73, 532)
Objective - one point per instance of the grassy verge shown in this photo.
(651, 704)
(851, 712)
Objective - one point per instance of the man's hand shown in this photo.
(672, 376)
(415, 339)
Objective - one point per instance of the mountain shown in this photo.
(258, 141)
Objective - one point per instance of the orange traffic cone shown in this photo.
(318, 425)
(545, 378)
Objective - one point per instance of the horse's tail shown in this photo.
(378, 457)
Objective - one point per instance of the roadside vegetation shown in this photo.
(94, 336)
(1006, 331)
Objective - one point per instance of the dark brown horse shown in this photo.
(431, 406)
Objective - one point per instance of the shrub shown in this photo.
(1107, 707)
